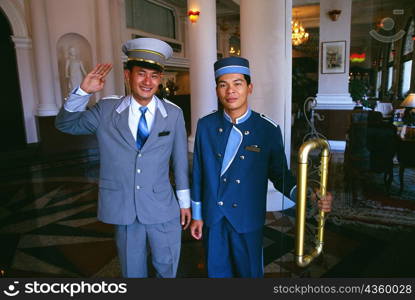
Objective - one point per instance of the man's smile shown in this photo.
(146, 89)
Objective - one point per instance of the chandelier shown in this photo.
(234, 51)
(299, 35)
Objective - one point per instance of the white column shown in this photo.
(105, 43)
(47, 102)
(202, 54)
(333, 89)
(266, 43)
(28, 93)
(118, 27)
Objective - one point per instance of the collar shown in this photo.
(135, 106)
(240, 119)
(127, 101)
(160, 107)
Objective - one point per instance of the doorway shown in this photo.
(12, 132)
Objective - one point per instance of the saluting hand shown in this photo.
(94, 81)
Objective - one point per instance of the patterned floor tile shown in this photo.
(48, 228)
(33, 265)
(99, 227)
(26, 223)
(35, 240)
(8, 247)
(78, 222)
(89, 258)
(52, 256)
(111, 270)
(62, 230)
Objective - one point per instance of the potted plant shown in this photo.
(358, 90)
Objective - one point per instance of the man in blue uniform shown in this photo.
(236, 151)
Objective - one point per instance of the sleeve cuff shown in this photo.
(77, 100)
(196, 210)
(80, 92)
(183, 197)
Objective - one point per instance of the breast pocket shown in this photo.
(253, 148)
(254, 154)
(162, 143)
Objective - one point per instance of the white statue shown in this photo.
(74, 69)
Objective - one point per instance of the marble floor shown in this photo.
(48, 227)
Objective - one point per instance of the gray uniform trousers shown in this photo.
(164, 241)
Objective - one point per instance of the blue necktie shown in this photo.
(142, 130)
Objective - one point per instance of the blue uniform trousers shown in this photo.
(233, 254)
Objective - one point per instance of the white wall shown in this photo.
(333, 89)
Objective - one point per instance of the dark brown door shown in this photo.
(12, 132)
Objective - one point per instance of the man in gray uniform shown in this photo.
(139, 135)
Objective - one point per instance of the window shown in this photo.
(408, 48)
(378, 83)
(150, 17)
(409, 43)
(390, 78)
(406, 77)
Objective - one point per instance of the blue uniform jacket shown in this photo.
(240, 193)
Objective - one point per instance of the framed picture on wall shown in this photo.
(333, 57)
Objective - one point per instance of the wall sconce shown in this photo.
(334, 14)
(193, 15)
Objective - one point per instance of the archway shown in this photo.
(12, 132)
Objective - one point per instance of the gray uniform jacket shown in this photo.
(134, 184)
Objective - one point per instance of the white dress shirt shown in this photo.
(135, 115)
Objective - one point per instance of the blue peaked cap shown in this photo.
(230, 65)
